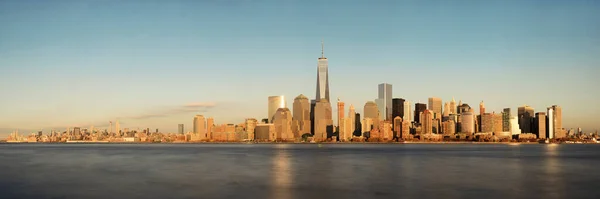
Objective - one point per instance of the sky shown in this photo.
(156, 64)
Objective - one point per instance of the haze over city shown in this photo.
(157, 64)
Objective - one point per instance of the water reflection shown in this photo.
(282, 178)
(553, 183)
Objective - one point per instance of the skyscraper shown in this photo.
(301, 114)
(275, 102)
(210, 123)
(323, 120)
(340, 112)
(385, 93)
(525, 115)
(180, 129)
(407, 112)
(322, 76)
(397, 109)
(427, 122)
(435, 105)
(199, 127)
(506, 120)
(446, 111)
(466, 123)
(419, 108)
(381, 108)
(352, 115)
(371, 111)
(282, 120)
(481, 108)
(452, 106)
(550, 123)
(556, 121)
(540, 125)
(250, 127)
(118, 128)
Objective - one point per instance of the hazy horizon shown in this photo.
(156, 64)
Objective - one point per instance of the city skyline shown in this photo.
(160, 84)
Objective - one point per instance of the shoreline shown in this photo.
(367, 143)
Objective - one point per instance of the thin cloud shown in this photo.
(196, 107)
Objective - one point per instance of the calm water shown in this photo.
(298, 171)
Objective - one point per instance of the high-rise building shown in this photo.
(525, 115)
(357, 125)
(540, 125)
(550, 123)
(264, 132)
(282, 120)
(435, 105)
(427, 122)
(210, 124)
(514, 126)
(453, 106)
(380, 108)
(446, 111)
(497, 123)
(367, 125)
(301, 115)
(407, 112)
(449, 128)
(481, 108)
(180, 129)
(385, 93)
(397, 126)
(323, 120)
(398, 109)
(506, 120)
(352, 116)
(371, 111)
(199, 127)
(340, 112)
(486, 123)
(466, 122)
(345, 129)
(250, 127)
(555, 123)
(275, 102)
(419, 108)
(322, 76)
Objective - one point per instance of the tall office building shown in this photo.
(381, 108)
(398, 108)
(514, 126)
(419, 108)
(407, 112)
(556, 121)
(210, 124)
(385, 93)
(352, 116)
(199, 127)
(435, 105)
(466, 122)
(446, 111)
(275, 102)
(282, 120)
(453, 106)
(371, 111)
(301, 114)
(323, 121)
(250, 127)
(551, 122)
(427, 122)
(357, 125)
(540, 125)
(481, 108)
(180, 129)
(322, 76)
(506, 120)
(525, 115)
(340, 113)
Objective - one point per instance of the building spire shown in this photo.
(322, 49)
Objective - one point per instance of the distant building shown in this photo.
(367, 125)
(550, 122)
(357, 125)
(452, 107)
(466, 123)
(352, 117)
(275, 102)
(514, 126)
(525, 115)
(301, 115)
(540, 125)
(397, 126)
(449, 128)
(397, 109)
(250, 127)
(435, 105)
(555, 129)
(385, 94)
(371, 111)
(380, 108)
(446, 111)
(180, 129)
(506, 120)
(345, 129)
(407, 112)
(419, 108)
(487, 123)
(323, 120)
(340, 112)
(282, 120)
(322, 76)
(481, 108)
(210, 124)
(264, 132)
(199, 127)
(427, 122)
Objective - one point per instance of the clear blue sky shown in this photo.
(82, 62)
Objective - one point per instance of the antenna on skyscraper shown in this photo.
(322, 49)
